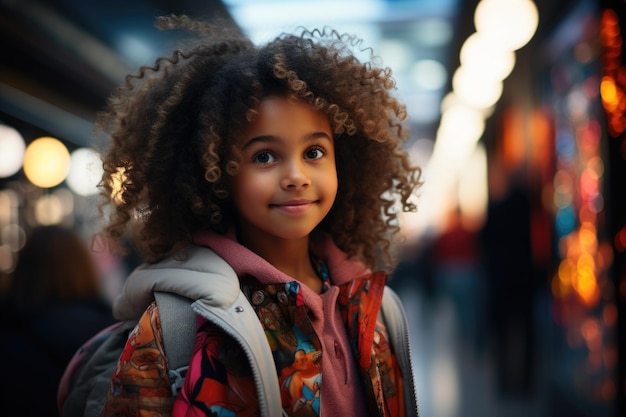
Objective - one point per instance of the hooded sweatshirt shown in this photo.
(342, 393)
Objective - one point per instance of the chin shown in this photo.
(294, 235)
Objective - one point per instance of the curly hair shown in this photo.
(173, 130)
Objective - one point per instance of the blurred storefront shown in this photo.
(549, 295)
(564, 143)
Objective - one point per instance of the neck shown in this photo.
(290, 256)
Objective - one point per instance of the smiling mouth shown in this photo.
(294, 207)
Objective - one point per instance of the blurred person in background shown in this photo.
(459, 281)
(53, 303)
(513, 281)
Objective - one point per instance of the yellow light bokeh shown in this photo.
(46, 162)
(49, 210)
(608, 92)
(117, 183)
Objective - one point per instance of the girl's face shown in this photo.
(287, 179)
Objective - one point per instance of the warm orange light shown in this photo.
(586, 287)
(541, 140)
(559, 290)
(117, 183)
(588, 237)
(46, 162)
(514, 146)
(608, 91)
(567, 270)
(613, 83)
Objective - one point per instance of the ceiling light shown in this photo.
(508, 24)
(480, 55)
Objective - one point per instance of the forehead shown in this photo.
(279, 116)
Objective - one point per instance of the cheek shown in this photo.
(331, 182)
(248, 189)
(330, 186)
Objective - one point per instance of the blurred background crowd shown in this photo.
(514, 267)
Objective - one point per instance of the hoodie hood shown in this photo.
(244, 261)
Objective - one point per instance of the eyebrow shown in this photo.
(275, 139)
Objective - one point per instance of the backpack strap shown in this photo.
(178, 327)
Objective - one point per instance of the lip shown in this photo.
(294, 206)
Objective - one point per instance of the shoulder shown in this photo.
(197, 259)
(202, 274)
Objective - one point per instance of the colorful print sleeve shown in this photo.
(140, 385)
(219, 381)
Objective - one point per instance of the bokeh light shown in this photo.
(429, 74)
(85, 171)
(478, 54)
(476, 88)
(46, 162)
(509, 24)
(12, 149)
(117, 183)
(49, 210)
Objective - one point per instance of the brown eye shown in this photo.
(263, 157)
(314, 152)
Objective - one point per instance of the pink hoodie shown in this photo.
(342, 394)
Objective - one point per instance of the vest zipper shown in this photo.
(399, 321)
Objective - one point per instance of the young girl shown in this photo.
(286, 160)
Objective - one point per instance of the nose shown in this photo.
(295, 176)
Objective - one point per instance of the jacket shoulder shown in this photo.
(202, 275)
